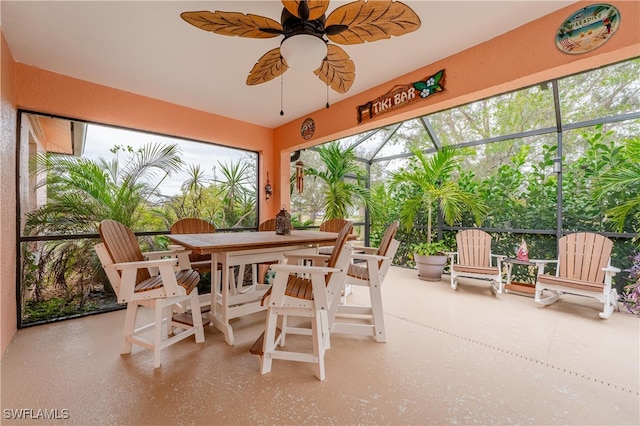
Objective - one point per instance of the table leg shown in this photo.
(220, 298)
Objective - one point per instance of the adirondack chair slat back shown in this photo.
(474, 248)
(583, 255)
(337, 248)
(267, 225)
(122, 245)
(192, 226)
(333, 225)
(388, 236)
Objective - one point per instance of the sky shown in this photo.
(100, 139)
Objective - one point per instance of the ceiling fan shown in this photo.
(307, 33)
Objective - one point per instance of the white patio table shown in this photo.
(244, 248)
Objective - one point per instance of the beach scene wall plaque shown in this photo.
(588, 29)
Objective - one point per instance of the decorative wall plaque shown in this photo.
(307, 129)
(401, 96)
(588, 28)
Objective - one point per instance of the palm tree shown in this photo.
(238, 178)
(430, 184)
(340, 194)
(80, 193)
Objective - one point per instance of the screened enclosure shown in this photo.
(537, 157)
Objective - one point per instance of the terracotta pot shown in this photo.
(430, 268)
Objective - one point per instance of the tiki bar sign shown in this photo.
(401, 96)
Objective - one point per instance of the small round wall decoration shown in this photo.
(588, 29)
(307, 129)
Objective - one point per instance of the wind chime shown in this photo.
(299, 176)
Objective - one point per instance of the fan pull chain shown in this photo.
(327, 105)
(281, 90)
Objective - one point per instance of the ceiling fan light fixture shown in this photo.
(303, 52)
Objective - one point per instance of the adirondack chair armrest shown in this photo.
(175, 251)
(164, 267)
(612, 270)
(541, 264)
(301, 269)
(366, 250)
(364, 256)
(452, 256)
(154, 263)
(315, 258)
(499, 258)
(153, 255)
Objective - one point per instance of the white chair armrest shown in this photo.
(363, 256)
(315, 258)
(611, 270)
(367, 250)
(153, 255)
(145, 263)
(541, 263)
(300, 269)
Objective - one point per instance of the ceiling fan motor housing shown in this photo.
(292, 25)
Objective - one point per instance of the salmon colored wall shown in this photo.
(522, 57)
(8, 313)
(47, 92)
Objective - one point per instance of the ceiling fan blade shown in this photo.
(371, 21)
(234, 24)
(314, 8)
(268, 67)
(337, 70)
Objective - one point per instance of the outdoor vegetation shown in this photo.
(498, 163)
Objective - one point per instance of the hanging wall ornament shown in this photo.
(300, 176)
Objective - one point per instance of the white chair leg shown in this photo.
(196, 314)
(547, 300)
(610, 301)
(318, 349)
(269, 342)
(283, 327)
(129, 327)
(454, 282)
(157, 335)
(377, 312)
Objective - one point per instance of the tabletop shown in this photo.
(237, 241)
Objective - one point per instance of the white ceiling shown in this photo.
(145, 47)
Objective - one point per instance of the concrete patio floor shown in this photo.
(452, 357)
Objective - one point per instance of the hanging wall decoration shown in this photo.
(401, 96)
(299, 176)
(587, 29)
(307, 129)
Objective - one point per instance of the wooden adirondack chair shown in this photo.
(307, 292)
(584, 268)
(199, 262)
(350, 318)
(129, 274)
(474, 259)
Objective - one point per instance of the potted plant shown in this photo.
(430, 259)
(430, 184)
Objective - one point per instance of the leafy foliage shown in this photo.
(340, 193)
